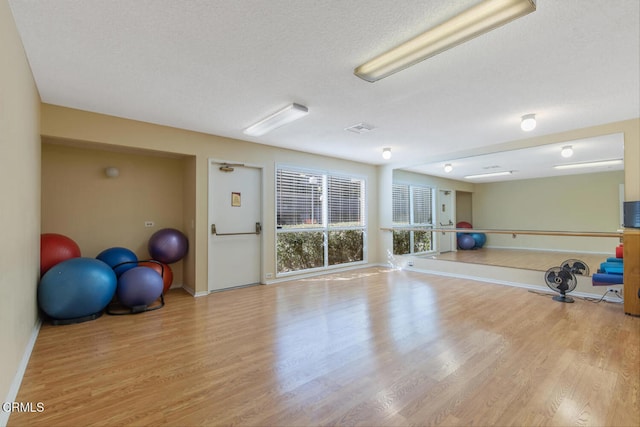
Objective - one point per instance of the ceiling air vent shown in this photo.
(360, 128)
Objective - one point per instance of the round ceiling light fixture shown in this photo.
(567, 151)
(528, 122)
(386, 153)
(448, 168)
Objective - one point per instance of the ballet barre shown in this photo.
(513, 233)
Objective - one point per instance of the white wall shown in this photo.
(20, 210)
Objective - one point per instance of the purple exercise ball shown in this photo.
(168, 245)
(139, 286)
(466, 241)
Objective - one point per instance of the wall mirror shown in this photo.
(569, 186)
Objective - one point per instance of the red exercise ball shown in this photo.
(167, 274)
(55, 248)
(463, 224)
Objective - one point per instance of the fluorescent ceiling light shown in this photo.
(489, 175)
(479, 19)
(590, 164)
(286, 115)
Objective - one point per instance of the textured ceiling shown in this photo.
(217, 66)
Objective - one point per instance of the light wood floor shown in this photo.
(524, 259)
(373, 347)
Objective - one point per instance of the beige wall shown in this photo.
(80, 201)
(586, 202)
(464, 207)
(74, 125)
(20, 209)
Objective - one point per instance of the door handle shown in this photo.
(257, 231)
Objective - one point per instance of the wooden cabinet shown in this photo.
(631, 239)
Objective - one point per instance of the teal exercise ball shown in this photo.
(75, 288)
(480, 239)
(120, 259)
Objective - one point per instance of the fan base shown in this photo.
(562, 298)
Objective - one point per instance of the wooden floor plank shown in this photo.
(371, 347)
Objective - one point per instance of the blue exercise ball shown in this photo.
(139, 286)
(168, 245)
(466, 241)
(77, 287)
(480, 239)
(115, 257)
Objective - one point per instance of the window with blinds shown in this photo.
(401, 204)
(345, 201)
(421, 205)
(320, 219)
(299, 199)
(412, 207)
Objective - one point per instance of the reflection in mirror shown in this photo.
(540, 188)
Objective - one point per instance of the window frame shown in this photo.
(397, 226)
(325, 227)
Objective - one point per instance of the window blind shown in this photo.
(346, 201)
(400, 202)
(299, 199)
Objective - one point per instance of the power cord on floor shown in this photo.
(593, 300)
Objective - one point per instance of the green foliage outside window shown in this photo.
(421, 241)
(402, 242)
(305, 249)
(345, 246)
(300, 251)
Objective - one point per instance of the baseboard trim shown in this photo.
(22, 367)
(193, 292)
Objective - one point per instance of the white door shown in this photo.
(446, 219)
(235, 218)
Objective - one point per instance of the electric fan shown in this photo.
(561, 280)
(576, 267)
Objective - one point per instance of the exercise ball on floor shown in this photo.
(75, 288)
(55, 248)
(116, 257)
(139, 286)
(168, 245)
(480, 239)
(466, 241)
(163, 269)
(463, 224)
